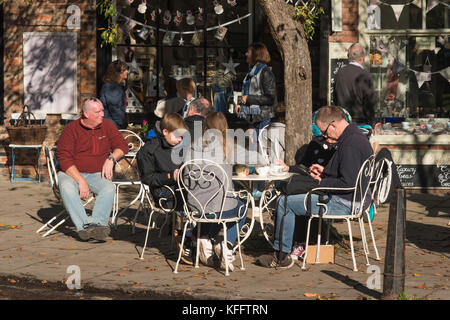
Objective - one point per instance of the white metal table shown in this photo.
(269, 195)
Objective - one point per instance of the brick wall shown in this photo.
(45, 16)
(349, 31)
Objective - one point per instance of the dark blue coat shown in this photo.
(113, 99)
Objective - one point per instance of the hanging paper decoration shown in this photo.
(178, 18)
(190, 19)
(445, 73)
(381, 47)
(417, 3)
(167, 17)
(218, 8)
(397, 67)
(431, 4)
(374, 2)
(181, 41)
(200, 14)
(220, 33)
(168, 38)
(230, 67)
(421, 77)
(398, 8)
(153, 15)
(143, 34)
(232, 2)
(142, 7)
(374, 17)
(196, 38)
(427, 65)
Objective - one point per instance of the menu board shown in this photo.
(424, 176)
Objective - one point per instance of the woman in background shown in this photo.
(112, 94)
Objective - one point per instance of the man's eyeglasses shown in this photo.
(324, 133)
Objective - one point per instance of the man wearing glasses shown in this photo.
(352, 149)
(87, 150)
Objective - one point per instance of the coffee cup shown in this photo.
(405, 125)
(263, 171)
(276, 169)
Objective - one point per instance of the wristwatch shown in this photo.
(111, 158)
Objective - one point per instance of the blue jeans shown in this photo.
(104, 190)
(295, 206)
(232, 234)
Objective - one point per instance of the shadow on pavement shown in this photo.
(434, 204)
(428, 236)
(353, 284)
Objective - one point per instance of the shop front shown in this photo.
(408, 46)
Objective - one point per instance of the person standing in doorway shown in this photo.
(112, 94)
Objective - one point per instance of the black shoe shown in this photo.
(272, 261)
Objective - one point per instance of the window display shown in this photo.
(198, 39)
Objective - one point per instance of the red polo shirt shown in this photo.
(88, 148)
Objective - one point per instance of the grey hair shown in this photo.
(88, 102)
(356, 52)
(202, 106)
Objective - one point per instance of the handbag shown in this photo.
(297, 184)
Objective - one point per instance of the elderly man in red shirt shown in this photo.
(86, 152)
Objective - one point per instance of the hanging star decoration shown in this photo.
(133, 66)
(181, 41)
(230, 67)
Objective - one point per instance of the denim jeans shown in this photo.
(295, 206)
(214, 228)
(104, 190)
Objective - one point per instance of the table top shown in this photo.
(269, 177)
(25, 145)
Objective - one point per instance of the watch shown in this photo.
(111, 158)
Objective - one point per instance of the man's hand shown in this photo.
(316, 171)
(175, 174)
(244, 99)
(84, 189)
(107, 169)
(236, 109)
(280, 162)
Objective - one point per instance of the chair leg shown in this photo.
(306, 244)
(319, 235)
(166, 220)
(56, 226)
(48, 223)
(239, 246)
(364, 240)
(146, 236)
(351, 244)
(198, 245)
(373, 237)
(181, 248)
(225, 256)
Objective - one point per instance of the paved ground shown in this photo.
(115, 265)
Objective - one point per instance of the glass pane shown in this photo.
(393, 16)
(438, 17)
(410, 75)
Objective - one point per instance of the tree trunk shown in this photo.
(293, 46)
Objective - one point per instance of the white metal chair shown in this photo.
(208, 173)
(126, 174)
(360, 192)
(54, 182)
(380, 183)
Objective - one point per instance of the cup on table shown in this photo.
(405, 125)
(276, 169)
(263, 171)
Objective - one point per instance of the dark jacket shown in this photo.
(352, 149)
(268, 100)
(354, 92)
(112, 96)
(155, 162)
(192, 122)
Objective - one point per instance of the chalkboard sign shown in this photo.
(424, 176)
(335, 65)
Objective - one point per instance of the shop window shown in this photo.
(411, 75)
(198, 39)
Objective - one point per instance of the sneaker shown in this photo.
(297, 251)
(206, 252)
(271, 261)
(221, 250)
